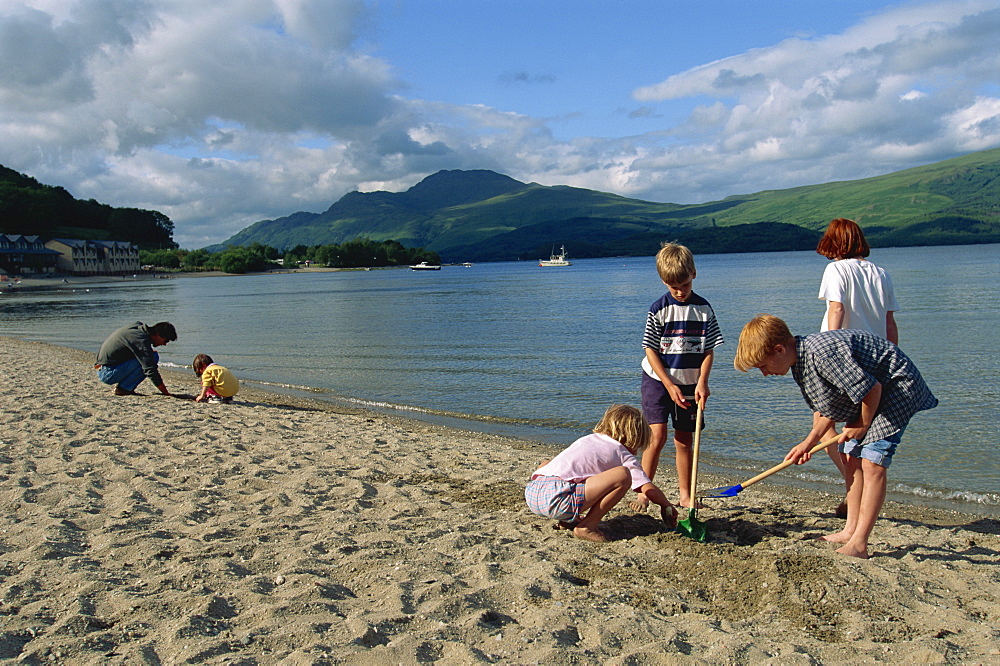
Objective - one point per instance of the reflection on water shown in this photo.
(542, 352)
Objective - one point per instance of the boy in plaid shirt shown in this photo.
(847, 376)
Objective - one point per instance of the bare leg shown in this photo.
(838, 460)
(684, 459)
(651, 456)
(865, 496)
(651, 460)
(855, 487)
(834, 454)
(872, 499)
(603, 492)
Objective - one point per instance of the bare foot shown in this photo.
(669, 516)
(120, 391)
(563, 525)
(588, 534)
(853, 552)
(839, 537)
(640, 503)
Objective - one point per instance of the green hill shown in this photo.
(31, 208)
(485, 216)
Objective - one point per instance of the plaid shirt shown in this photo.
(836, 369)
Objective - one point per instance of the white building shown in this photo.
(92, 257)
(78, 257)
(120, 257)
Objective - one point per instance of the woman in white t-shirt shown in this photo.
(858, 294)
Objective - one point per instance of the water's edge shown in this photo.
(554, 439)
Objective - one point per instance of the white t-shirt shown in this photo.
(865, 291)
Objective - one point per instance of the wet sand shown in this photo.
(153, 530)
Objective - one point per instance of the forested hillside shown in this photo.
(486, 216)
(31, 208)
(481, 215)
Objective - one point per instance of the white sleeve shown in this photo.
(832, 286)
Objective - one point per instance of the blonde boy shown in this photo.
(848, 376)
(680, 336)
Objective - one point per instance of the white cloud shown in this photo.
(222, 113)
(904, 87)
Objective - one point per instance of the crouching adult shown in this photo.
(127, 357)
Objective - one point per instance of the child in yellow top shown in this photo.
(218, 384)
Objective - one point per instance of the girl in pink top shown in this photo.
(594, 473)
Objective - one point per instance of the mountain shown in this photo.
(481, 215)
(31, 208)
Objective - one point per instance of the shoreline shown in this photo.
(281, 528)
(714, 473)
(57, 281)
(721, 475)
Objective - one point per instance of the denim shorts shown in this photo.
(552, 497)
(879, 452)
(657, 406)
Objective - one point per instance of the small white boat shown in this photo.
(556, 259)
(424, 266)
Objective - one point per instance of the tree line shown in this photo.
(31, 208)
(357, 253)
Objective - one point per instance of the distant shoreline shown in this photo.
(64, 281)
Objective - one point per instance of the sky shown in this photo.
(221, 113)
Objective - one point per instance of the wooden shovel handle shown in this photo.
(694, 456)
(783, 465)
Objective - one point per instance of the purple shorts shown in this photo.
(551, 497)
(657, 406)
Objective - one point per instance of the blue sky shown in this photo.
(579, 62)
(226, 112)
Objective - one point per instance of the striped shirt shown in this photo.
(681, 333)
(836, 369)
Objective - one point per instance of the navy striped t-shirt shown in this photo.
(681, 333)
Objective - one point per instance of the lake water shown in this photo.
(539, 353)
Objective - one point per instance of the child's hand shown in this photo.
(675, 394)
(800, 453)
(853, 431)
(668, 513)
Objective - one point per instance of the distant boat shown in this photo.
(424, 266)
(468, 264)
(556, 259)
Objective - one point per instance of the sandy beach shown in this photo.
(154, 530)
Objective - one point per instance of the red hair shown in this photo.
(843, 240)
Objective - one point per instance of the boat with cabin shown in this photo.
(556, 259)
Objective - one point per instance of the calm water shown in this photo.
(540, 352)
